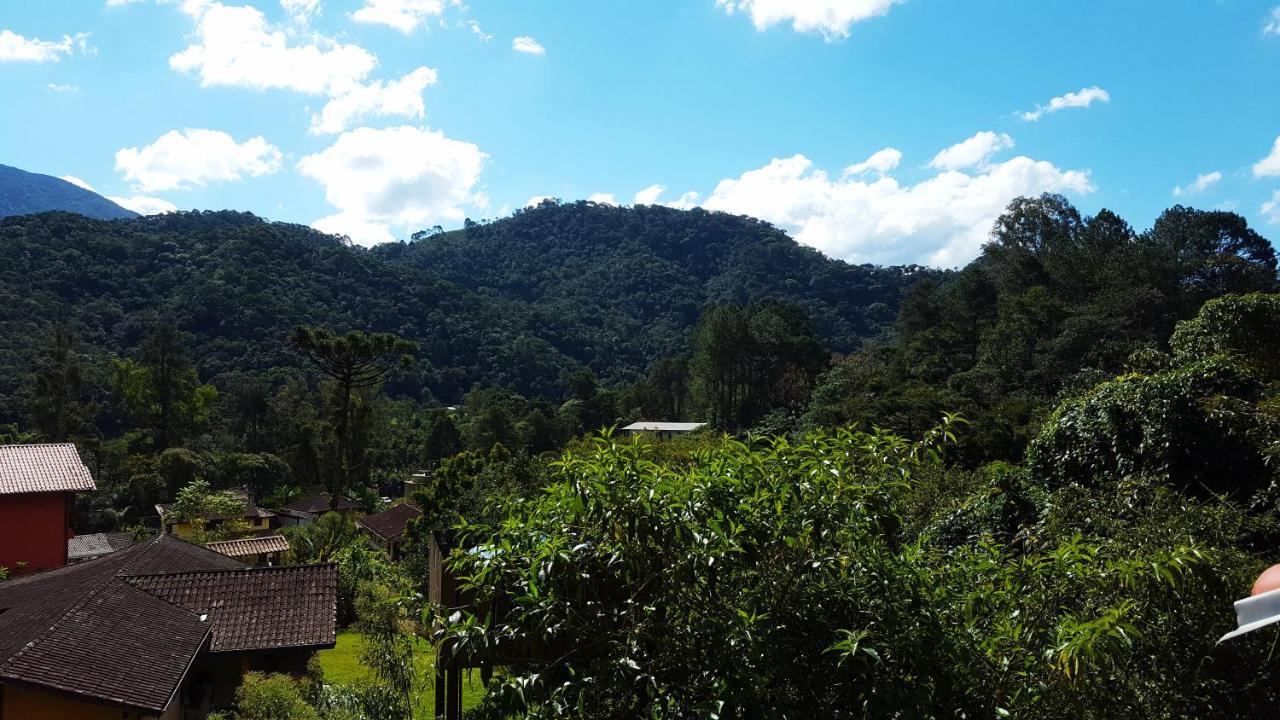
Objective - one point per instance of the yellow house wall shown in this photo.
(25, 704)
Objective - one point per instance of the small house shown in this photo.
(257, 551)
(162, 630)
(307, 510)
(387, 529)
(258, 520)
(663, 430)
(38, 486)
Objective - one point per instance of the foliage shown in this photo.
(750, 360)
(1054, 304)
(198, 505)
(811, 579)
(273, 697)
(356, 363)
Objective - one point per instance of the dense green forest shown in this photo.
(27, 193)
(631, 281)
(1031, 487)
(238, 284)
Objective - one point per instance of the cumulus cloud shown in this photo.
(942, 220)
(603, 199)
(831, 18)
(537, 200)
(649, 195)
(16, 48)
(394, 178)
(403, 15)
(78, 182)
(301, 11)
(528, 46)
(880, 162)
(144, 205)
(1271, 208)
(64, 89)
(194, 158)
(401, 98)
(1269, 166)
(1082, 99)
(237, 47)
(1272, 24)
(973, 152)
(140, 204)
(1199, 185)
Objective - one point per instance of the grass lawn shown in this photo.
(342, 665)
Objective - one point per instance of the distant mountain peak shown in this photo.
(28, 193)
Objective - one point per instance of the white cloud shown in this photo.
(401, 98)
(1271, 208)
(537, 200)
(974, 152)
(652, 196)
(236, 46)
(78, 182)
(64, 89)
(478, 31)
(649, 195)
(16, 48)
(831, 18)
(880, 162)
(119, 3)
(1082, 99)
(528, 46)
(403, 15)
(195, 157)
(301, 11)
(144, 205)
(1199, 185)
(400, 177)
(603, 199)
(942, 220)
(1272, 25)
(1269, 166)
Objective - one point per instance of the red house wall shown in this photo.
(33, 529)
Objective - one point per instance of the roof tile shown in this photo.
(41, 469)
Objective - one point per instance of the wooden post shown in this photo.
(453, 697)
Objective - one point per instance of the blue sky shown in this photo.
(874, 130)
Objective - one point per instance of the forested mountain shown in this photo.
(26, 193)
(633, 280)
(604, 288)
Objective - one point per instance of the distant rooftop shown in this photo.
(87, 547)
(318, 505)
(41, 469)
(125, 628)
(664, 426)
(250, 546)
(390, 524)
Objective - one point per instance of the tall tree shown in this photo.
(55, 397)
(162, 390)
(355, 361)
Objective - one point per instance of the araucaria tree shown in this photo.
(355, 362)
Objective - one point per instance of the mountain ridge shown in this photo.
(28, 193)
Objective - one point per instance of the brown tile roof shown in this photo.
(63, 628)
(390, 524)
(41, 469)
(257, 608)
(87, 653)
(87, 547)
(124, 629)
(319, 504)
(250, 546)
